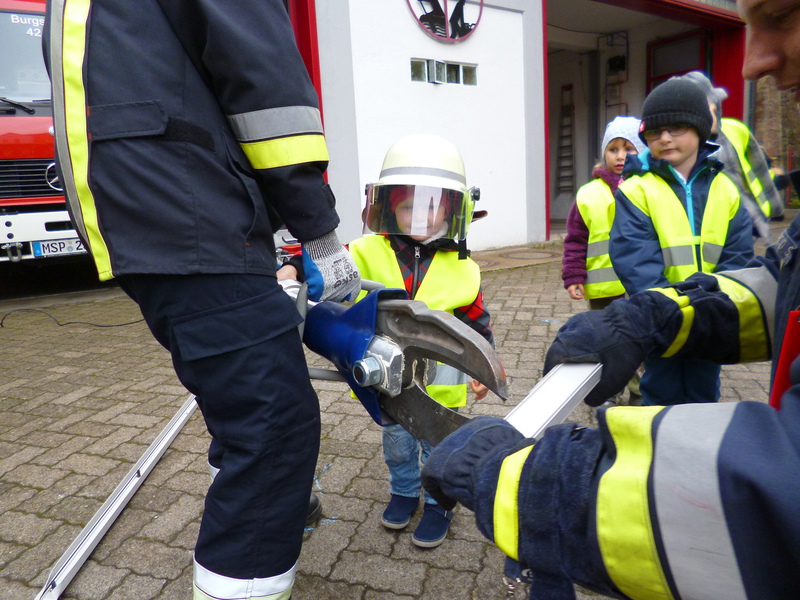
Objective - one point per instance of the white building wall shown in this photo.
(369, 101)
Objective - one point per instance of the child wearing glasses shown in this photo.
(677, 213)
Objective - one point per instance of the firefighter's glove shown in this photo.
(619, 337)
(453, 468)
(329, 270)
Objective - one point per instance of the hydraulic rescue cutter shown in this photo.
(386, 347)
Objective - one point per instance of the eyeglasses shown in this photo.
(651, 135)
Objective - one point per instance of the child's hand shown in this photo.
(576, 291)
(287, 272)
(479, 389)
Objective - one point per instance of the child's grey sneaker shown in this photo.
(398, 513)
(433, 526)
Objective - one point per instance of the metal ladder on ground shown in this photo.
(565, 164)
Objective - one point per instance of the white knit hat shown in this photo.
(626, 128)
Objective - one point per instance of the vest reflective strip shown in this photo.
(691, 517)
(602, 276)
(711, 252)
(448, 375)
(286, 151)
(678, 256)
(271, 123)
(506, 503)
(687, 312)
(598, 248)
(67, 37)
(212, 586)
(624, 527)
(754, 292)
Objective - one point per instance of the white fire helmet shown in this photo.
(422, 191)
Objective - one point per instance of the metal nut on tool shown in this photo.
(368, 371)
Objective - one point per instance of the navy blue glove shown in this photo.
(329, 270)
(619, 337)
(452, 470)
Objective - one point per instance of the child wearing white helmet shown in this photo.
(420, 210)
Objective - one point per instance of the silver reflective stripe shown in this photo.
(277, 122)
(597, 249)
(678, 256)
(711, 252)
(601, 275)
(425, 171)
(763, 285)
(447, 375)
(210, 585)
(688, 504)
(56, 25)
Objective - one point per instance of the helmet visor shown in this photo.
(422, 212)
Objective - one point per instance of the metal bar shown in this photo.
(554, 397)
(80, 549)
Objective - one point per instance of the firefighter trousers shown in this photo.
(234, 344)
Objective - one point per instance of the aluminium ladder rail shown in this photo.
(80, 549)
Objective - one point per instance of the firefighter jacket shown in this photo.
(185, 134)
(448, 284)
(666, 229)
(596, 205)
(690, 501)
(752, 170)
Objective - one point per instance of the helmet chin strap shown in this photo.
(437, 235)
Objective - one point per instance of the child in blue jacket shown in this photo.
(677, 214)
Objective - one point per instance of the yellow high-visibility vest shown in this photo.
(449, 284)
(680, 246)
(596, 205)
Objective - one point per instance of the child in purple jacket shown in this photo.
(586, 266)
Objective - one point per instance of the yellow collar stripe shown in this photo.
(286, 151)
(76, 14)
(624, 528)
(506, 504)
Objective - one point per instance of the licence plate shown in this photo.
(58, 247)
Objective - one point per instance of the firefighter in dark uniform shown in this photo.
(695, 501)
(186, 132)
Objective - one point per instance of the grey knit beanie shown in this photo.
(714, 94)
(626, 128)
(674, 102)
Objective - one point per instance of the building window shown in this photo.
(453, 73)
(439, 71)
(419, 70)
(469, 74)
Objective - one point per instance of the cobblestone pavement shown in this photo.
(80, 403)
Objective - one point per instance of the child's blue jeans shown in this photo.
(404, 455)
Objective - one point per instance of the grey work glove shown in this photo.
(329, 269)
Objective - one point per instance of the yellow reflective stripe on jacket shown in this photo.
(596, 204)
(687, 312)
(653, 196)
(68, 35)
(450, 283)
(283, 152)
(506, 503)
(754, 333)
(624, 527)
